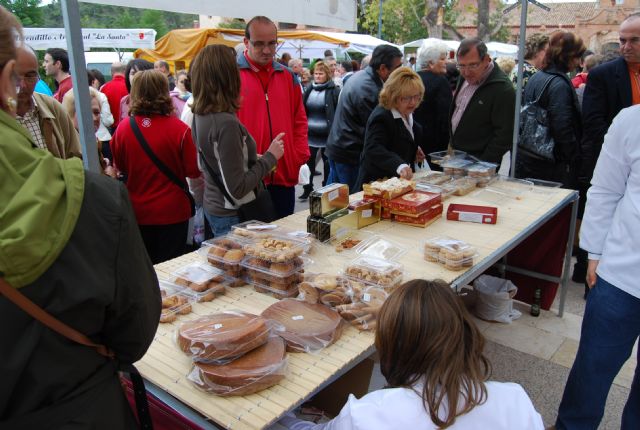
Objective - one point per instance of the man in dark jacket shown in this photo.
(356, 103)
(483, 104)
(608, 90)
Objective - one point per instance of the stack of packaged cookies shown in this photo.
(274, 265)
(386, 190)
(375, 271)
(174, 303)
(234, 353)
(453, 254)
(199, 281)
(226, 254)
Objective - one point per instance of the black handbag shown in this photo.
(161, 166)
(535, 137)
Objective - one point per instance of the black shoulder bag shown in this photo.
(260, 209)
(160, 165)
(535, 136)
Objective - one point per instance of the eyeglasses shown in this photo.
(406, 99)
(472, 66)
(261, 45)
(182, 81)
(631, 40)
(30, 79)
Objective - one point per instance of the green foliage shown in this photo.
(28, 11)
(400, 20)
(152, 18)
(234, 24)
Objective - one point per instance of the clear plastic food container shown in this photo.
(347, 239)
(363, 312)
(253, 229)
(454, 254)
(330, 290)
(213, 290)
(373, 271)
(510, 187)
(464, 186)
(441, 156)
(275, 290)
(275, 272)
(174, 304)
(381, 248)
(277, 248)
(200, 278)
(457, 168)
(225, 253)
(434, 178)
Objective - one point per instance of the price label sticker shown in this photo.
(297, 317)
(333, 195)
(366, 297)
(367, 213)
(217, 326)
(470, 217)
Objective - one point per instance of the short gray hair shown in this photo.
(294, 61)
(430, 52)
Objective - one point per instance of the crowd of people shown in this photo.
(241, 121)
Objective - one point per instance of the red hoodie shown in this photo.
(266, 117)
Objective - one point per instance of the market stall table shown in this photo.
(166, 367)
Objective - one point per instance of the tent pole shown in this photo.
(71, 16)
(516, 119)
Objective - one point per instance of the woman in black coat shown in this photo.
(392, 136)
(433, 112)
(563, 113)
(320, 100)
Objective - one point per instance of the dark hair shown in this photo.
(150, 94)
(90, 77)
(9, 29)
(97, 74)
(452, 75)
(138, 65)
(534, 44)
(469, 43)
(164, 64)
(260, 18)
(384, 54)
(215, 81)
(425, 334)
(59, 54)
(355, 66)
(563, 47)
(347, 66)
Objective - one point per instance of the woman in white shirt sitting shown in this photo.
(431, 354)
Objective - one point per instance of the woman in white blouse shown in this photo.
(431, 356)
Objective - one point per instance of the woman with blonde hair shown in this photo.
(431, 354)
(391, 136)
(68, 243)
(162, 203)
(233, 171)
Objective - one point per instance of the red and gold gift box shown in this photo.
(422, 220)
(472, 213)
(415, 202)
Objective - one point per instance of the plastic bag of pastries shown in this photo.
(173, 305)
(306, 327)
(225, 252)
(204, 281)
(330, 290)
(223, 336)
(257, 370)
(363, 312)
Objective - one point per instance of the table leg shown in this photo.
(567, 258)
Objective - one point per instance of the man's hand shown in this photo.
(406, 173)
(420, 155)
(591, 272)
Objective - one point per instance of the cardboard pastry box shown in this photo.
(472, 213)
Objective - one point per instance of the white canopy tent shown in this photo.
(496, 49)
(44, 38)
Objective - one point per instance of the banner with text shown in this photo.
(43, 38)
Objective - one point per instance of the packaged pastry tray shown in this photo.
(441, 156)
(482, 169)
(454, 254)
(275, 272)
(510, 187)
(374, 271)
(214, 288)
(464, 185)
(253, 229)
(389, 188)
(380, 248)
(457, 168)
(446, 190)
(276, 248)
(433, 178)
(275, 290)
(363, 312)
(330, 290)
(415, 202)
(174, 304)
(225, 252)
(200, 278)
(347, 239)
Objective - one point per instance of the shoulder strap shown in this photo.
(15, 296)
(159, 164)
(544, 88)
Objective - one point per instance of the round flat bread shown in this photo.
(307, 327)
(222, 336)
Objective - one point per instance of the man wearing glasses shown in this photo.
(483, 104)
(43, 116)
(272, 104)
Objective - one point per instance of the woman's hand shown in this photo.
(592, 265)
(406, 173)
(277, 147)
(420, 155)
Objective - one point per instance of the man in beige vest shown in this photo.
(43, 116)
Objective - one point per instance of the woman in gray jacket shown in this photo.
(227, 150)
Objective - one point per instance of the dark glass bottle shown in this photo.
(535, 306)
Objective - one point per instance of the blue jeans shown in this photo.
(221, 225)
(344, 174)
(610, 327)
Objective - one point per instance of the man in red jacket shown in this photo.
(272, 104)
(115, 90)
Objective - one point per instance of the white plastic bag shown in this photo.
(304, 175)
(494, 300)
(198, 226)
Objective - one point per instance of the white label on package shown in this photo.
(367, 213)
(334, 195)
(470, 217)
(261, 226)
(217, 326)
(366, 297)
(297, 317)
